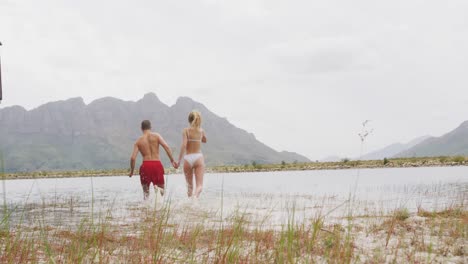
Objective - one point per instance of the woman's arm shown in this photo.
(184, 145)
(203, 136)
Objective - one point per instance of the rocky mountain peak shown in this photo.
(69, 104)
(183, 100)
(150, 98)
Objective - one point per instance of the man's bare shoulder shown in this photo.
(156, 135)
(138, 141)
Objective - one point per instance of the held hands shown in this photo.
(175, 164)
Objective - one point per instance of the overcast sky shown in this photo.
(300, 75)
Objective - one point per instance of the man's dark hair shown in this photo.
(145, 125)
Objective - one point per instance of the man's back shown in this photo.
(148, 145)
(151, 171)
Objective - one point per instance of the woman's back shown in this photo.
(195, 137)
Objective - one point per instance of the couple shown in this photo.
(152, 171)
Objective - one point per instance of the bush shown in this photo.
(385, 161)
(458, 159)
(345, 160)
(256, 165)
(401, 214)
(443, 159)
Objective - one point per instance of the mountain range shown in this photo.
(393, 149)
(72, 135)
(452, 143)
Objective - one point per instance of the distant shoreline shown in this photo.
(254, 167)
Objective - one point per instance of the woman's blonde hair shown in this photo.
(194, 119)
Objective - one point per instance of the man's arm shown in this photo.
(133, 159)
(167, 149)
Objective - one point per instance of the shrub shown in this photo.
(256, 165)
(385, 161)
(345, 160)
(443, 159)
(401, 214)
(458, 159)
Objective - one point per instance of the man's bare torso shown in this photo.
(148, 145)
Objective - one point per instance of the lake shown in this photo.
(258, 194)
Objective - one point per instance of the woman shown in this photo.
(194, 163)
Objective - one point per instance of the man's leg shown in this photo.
(158, 178)
(188, 171)
(145, 187)
(159, 187)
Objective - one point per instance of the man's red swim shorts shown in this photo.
(152, 171)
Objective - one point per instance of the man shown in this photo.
(151, 171)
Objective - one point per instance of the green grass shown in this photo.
(401, 214)
(348, 164)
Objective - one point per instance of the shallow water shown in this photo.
(263, 195)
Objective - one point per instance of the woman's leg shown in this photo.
(199, 173)
(188, 171)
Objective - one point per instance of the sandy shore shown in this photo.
(168, 232)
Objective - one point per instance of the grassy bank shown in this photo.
(256, 167)
(348, 164)
(395, 237)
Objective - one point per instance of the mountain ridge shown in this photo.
(393, 149)
(452, 143)
(70, 134)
